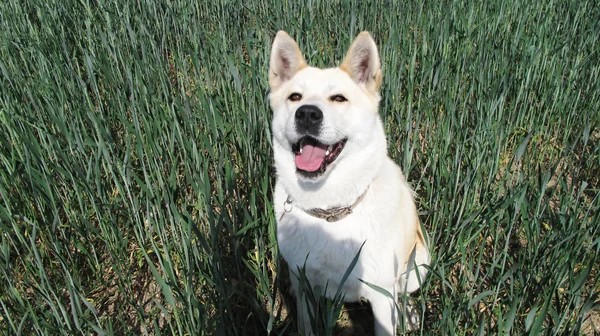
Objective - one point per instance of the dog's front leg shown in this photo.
(385, 313)
(303, 318)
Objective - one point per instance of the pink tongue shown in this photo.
(311, 158)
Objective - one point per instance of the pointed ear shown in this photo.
(286, 60)
(362, 62)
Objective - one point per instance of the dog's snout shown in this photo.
(309, 113)
(308, 119)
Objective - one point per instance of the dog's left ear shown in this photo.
(286, 60)
(362, 62)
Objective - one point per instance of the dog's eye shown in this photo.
(338, 98)
(295, 97)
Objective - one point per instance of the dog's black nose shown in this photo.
(308, 119)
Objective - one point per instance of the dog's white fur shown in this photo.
(385, 220)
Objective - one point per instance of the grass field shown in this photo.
(136, 170)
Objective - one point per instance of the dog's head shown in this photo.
(325, 119)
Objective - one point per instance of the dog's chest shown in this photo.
(326, 250)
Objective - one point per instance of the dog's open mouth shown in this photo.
(313, 157)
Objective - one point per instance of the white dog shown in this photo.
(336, 187)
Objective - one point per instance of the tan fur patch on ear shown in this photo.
(344, 67)
(378, 79)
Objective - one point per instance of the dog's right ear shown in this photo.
(286, 60)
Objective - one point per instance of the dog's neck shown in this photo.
(331, 214)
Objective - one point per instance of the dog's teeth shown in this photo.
(300, 150)
(329, 150)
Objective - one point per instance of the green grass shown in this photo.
(136, 169)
